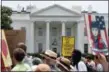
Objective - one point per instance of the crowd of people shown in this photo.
(51, 62)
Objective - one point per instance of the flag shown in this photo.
(5, 51)
(96, 33)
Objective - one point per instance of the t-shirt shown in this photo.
(92, 63)
(34, 67)
(99, 67)
(21, 67)
(28, 60)
(81, 67)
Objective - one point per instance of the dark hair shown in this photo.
(76, 57)
(19, 54)
(89, 57)
(36, 61)
(94, 25)
(22, 46)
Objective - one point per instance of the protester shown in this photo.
(27, 59)
(50, 59)
(63, 64)
(35, 62)
(102, 60)
(18, 56)
(99, 66)
(43, 68)
(90, 61)
(50, 62)
(78, 64)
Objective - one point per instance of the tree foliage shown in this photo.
(6, 21)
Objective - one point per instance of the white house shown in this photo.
(45, 27)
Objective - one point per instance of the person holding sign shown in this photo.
(102, 60)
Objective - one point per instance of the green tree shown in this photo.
(6, 21)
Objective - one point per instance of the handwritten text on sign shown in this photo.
(67, 45)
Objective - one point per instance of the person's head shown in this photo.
(18, 55)
(88, 58)
(22, 45)
(50, 57)
(76, 56)
(63, 64)
(43, 68)
(95, 29)
(36, 61)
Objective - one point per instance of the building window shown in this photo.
(40, 47)
(85, 48)
(40, 31)
(68, 32)
(54, 31)
(55, 50)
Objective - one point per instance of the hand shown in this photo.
(103, 61)
(101, 58)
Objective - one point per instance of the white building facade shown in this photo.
(45, 28)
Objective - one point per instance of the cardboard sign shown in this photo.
(68, 45)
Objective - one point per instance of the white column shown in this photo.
(31, 38)
(47, 35)
(63, 29)
(80, 37)
(62, 33)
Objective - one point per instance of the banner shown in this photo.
(97, 34)
(68, 45)
(5, 50)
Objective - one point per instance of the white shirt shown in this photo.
(99, 67)
(34, 67)
(81, 66)
(92, 63)
(28, 60)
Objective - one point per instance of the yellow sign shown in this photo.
(5, 50)
(68, 44)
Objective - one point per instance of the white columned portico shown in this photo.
(47, 35)
(80, 37)
(63, 28)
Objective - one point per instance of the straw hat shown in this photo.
(43, 68)
(64, 62)
(50, 54)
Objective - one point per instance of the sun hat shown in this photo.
(64, 62)
(50, 54)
